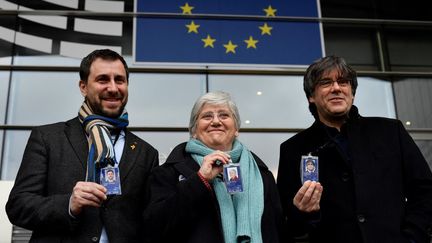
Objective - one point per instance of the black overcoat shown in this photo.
(183, 210)
(380, 191)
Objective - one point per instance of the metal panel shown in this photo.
(413, 102)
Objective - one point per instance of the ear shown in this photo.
(83, 88)
(236, 133)
(311, 99)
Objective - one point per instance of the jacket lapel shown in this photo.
(78, 140)
(130, 154)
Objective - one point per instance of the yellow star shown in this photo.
(187, 9)
(251, 43)
(270, 12)
(265, 29)
(208, 41)
(192, 27)
(230, 47)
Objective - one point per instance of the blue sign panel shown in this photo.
(226, 41)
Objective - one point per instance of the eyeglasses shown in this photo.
(326, 83)
(209, 116)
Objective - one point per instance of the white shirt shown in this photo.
(118, 151)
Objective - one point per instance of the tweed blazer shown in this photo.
(54, 161)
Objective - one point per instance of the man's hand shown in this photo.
(86, 194)
(308, 197)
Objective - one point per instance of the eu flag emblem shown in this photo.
(231, 40)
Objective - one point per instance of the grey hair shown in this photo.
(323, 66)
(213, 98)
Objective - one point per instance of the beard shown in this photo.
(99, 109)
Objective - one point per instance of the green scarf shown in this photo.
(101, 148)
(240, 213)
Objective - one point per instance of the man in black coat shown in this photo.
(57, 193)
(374, 183)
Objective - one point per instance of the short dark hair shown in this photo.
(321, 67)
(105, 54)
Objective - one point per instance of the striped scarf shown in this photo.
(101, 148)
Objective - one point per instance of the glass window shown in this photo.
(15, 142)
(43, 97)
(374, 97)
(266, 101)
(413, 101)
(1, 147)
(160, 100)
(410, 49)
(54, 35)
(266, 146)
(39, 35)
(4, 87)
(48, 60)
(388, 9)
(154, 99)
(342, 9)
(356, 45)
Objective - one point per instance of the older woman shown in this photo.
(189, 198)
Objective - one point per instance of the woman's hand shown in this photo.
(210, 168)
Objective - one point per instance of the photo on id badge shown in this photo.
(110, 179)
(309, 168)
(232, 178)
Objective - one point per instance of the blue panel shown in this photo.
(171, 40)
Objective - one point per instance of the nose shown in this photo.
(216, 121)
(216, 118)
(112, 86)
(335, 86)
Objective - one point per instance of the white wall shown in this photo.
(5, 225)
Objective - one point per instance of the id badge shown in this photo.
(232, 178)
(110, 179)
(309, 168)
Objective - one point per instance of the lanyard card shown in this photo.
(110, 179)
(232, 178)
(309, 168)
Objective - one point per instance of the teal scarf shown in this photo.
(240, 213)
(101, 148)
